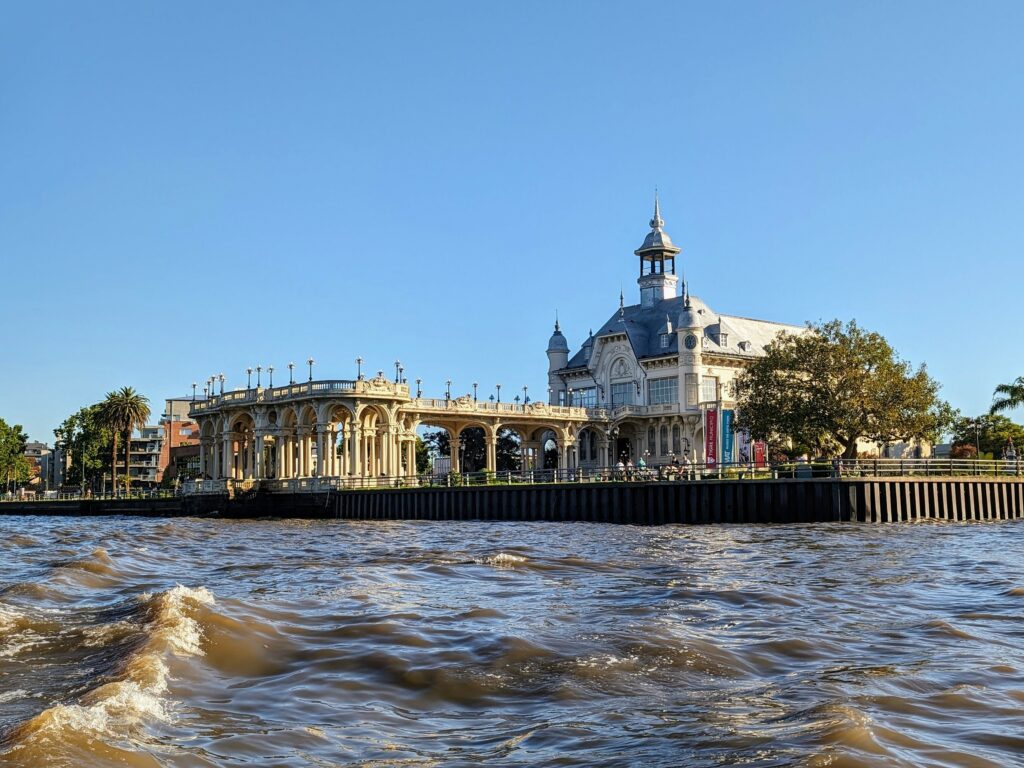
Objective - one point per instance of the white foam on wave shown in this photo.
(9, 618)
(118, 708)
(501, 560)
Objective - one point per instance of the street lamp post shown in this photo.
(259, 369)
(248, 380)
(570, 397)
(419, 391)
(193, 391)
(310, 364)
(499, 392)
(612, 435)
(401, 374)
(270, 373)
(526, 399)
(222, 383)
(359, 368)
(448, 390)
(398, 365)
(474, 391)
(291, 373)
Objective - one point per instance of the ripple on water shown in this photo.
(518, 644)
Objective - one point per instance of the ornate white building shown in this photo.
(650, 372)
(641, 387)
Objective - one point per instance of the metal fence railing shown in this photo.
(29, 495)
(834, 468)
(619, 473)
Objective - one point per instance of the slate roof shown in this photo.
(643, 324)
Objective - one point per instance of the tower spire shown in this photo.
(557, 327)
(656, 222)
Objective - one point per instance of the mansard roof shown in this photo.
(642, 325)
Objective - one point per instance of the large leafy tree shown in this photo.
(474, 448)
(14, 466)
(1008, 396)
(833, 385)
(121, 412)
(84, 438)
(989, 433)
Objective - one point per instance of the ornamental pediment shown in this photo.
(378, 385)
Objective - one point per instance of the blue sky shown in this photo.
(190, 188)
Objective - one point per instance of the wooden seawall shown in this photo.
(866, 500)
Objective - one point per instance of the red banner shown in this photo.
(760, 454)
(711, 437)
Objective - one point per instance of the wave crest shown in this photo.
(117, 709)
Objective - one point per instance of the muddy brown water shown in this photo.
(288, 643)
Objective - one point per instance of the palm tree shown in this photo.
(1008, 396)
(121, 412)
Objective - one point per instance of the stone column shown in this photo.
(226, 465)
(354, 438)
(453, 450)
(258, 469)
(321, 439)
(203, 448)
(410, 457)
(492, 453)
(375, 453)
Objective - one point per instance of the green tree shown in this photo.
(987, 434)
(474, 448)
(833, 385)
(422, 456)
(1008, 396)
(14, 465)
(84, 438)
(121, 412)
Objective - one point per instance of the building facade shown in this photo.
(655, 382)
(657, 375)
(151, 448)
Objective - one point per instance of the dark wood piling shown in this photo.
(812, 500)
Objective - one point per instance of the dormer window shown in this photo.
(744, 346)
(723, 339)
(664, 341)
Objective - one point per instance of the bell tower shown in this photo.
(657, 279)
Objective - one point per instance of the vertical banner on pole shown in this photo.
(760, 454)
(711, 437)
(742, 446)
(728, 457)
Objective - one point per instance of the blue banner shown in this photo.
(728, 440)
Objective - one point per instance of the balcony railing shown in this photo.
(304, 389)
(676, 472)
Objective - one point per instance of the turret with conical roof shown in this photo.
(558, 358)
(657, 262)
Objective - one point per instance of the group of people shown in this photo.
(626, 470)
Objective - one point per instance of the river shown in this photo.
(193, 642)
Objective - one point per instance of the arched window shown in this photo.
(677, 443)
(650, 440)
(664, 441)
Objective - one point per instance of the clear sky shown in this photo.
(190, 188)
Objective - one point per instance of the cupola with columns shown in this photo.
(657, 279)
